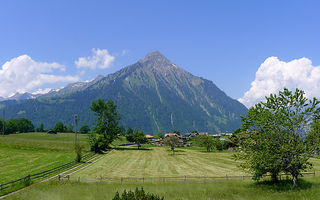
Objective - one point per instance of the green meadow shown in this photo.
(159, 161)
(28, 153)
(22, 154)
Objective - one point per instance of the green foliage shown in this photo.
(78, 150)
(206, 141)
(194, 131)
(313, 138)
(84, 129)
(276, 135)
(107, 122)
(137, 137)
(60, 127)
(129, 131)
(40, 128)
(20, 125)
(176, 132)
(69, 128)
(137, 195)
(172, 142)
(160, 135)
(211, 143)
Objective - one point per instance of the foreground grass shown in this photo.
(28, 153)
(221, 189)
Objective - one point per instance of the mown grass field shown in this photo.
(27, 153)
(159, 161)
(220, 189)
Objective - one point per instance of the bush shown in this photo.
(137, 195)
(78, 150)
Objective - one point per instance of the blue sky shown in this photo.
(223, 41)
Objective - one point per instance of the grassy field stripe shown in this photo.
(92, 162)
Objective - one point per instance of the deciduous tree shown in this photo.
(171, 142)
(275, 135)
(107, 121)
(137, 137)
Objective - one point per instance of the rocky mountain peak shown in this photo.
(155, 59)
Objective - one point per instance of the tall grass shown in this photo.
(223, 189)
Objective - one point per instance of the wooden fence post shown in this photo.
(59, 177)
(185, 178)
(242, 178)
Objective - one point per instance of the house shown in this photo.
(149, 137)
(171, 134)
(52, 132)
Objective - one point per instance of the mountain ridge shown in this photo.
(152, 94)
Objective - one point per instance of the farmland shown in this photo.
(23, 154)
(159, 161)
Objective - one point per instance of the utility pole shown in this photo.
(75, 127)
(3, 122)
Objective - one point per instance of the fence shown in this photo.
(163, 179)
(43, 174)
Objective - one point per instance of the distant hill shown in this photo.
(152, 94)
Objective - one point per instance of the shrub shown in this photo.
(137, 195)
(78, 150)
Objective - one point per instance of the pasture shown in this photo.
(159, 161)
(27, 153)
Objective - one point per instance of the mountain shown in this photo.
(73, 87)
(153, 94)
(20, 96)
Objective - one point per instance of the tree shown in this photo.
(84, 129)
(69, 128)
(129, 131)
(313, 138)
(195, 131)
(275, 135)
(176, 132)
(206, 141)
(107, 121)
(137, 137)
(24, 125)
(171, 142)
(40, 128)
(160, 135)
(11, 126)
(59, 127)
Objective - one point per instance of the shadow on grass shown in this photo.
(284, 185)
(128, 149)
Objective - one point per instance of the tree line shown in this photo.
(19, 125)
(24, 125)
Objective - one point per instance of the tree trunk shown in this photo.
(274, 178)
(295, 180)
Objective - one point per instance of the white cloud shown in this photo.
(273, 75)
(100, 59)
(22, 74)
